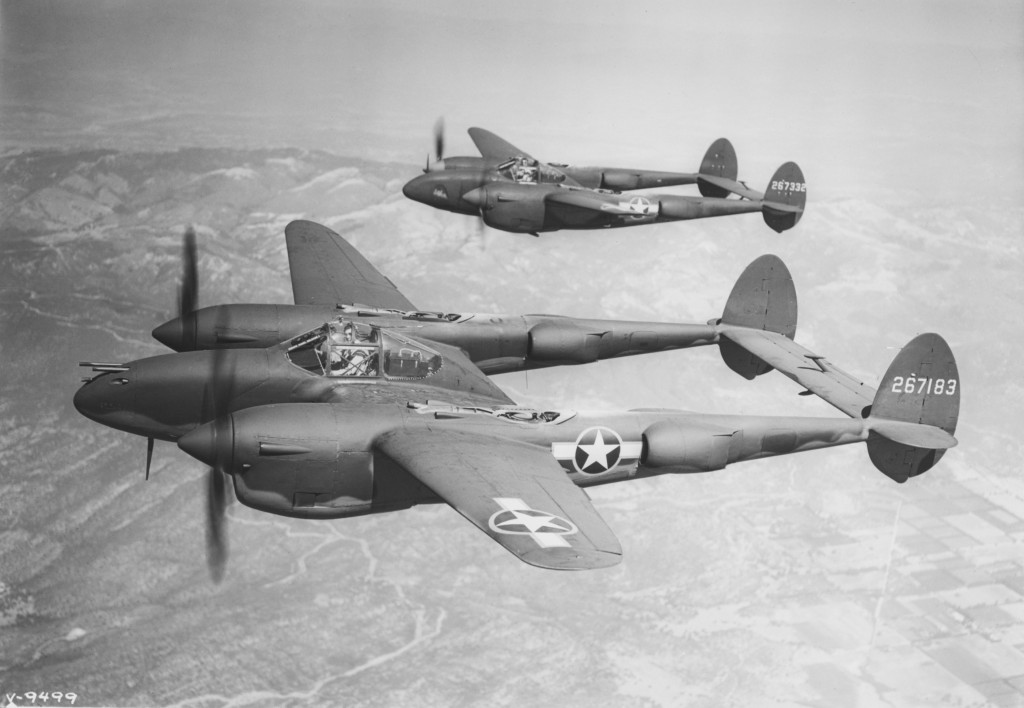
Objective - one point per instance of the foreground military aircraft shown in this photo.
(512, 191)
(360, 415)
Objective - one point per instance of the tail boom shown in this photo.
(705, 443)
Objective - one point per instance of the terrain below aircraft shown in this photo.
(359, 415)
(512, 191)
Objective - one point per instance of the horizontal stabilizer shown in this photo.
(912, 434)
(786, 208)
(812, 371)
(725, 186)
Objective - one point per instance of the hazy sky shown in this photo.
(873, 99)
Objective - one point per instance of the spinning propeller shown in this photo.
(438, 147)
(217, 493)
(216, 536)
(439, 139)
(188, 287)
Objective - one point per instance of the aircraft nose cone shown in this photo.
(417, 189)
(171, 334)
(108, 399)
(87, 401)
(477, 197)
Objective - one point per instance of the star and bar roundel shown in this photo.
(597, 450)
(518, 519)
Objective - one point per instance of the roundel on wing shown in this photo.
(529, 522)
(597, 450)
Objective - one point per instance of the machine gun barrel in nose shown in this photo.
(102, 367)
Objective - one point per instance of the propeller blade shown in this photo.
(216, 405)
(188, 290)
(149, 456)
(216, 538)
(439, 139)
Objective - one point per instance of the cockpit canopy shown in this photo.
(526, 170)
(354, 350)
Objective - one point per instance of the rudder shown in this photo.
(719, 161)
(922, 385)
(785, 198)
(764, 297)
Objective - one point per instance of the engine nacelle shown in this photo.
(305, 460)
(515, 208)
(309, 488)
(668, 444)
(554, 342)
(619, 180)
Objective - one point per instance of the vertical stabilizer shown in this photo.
(785, 198)
(763, 297)
(922, 385)
(719, 161)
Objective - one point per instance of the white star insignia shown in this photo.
(597, 451)
(533, 522)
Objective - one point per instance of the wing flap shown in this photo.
(327, 270)
(514, 492)
(810, 370)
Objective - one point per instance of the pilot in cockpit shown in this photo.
(525, 170)
(344, 354)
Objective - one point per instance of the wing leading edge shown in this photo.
(327, 270)
(514, 492)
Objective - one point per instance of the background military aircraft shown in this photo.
(361, 416)
(513, 191)
(330, 278)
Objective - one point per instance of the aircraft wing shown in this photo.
(490, 145)
(514, 492)
(327, 270)
(466, 378)
(813, 372)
